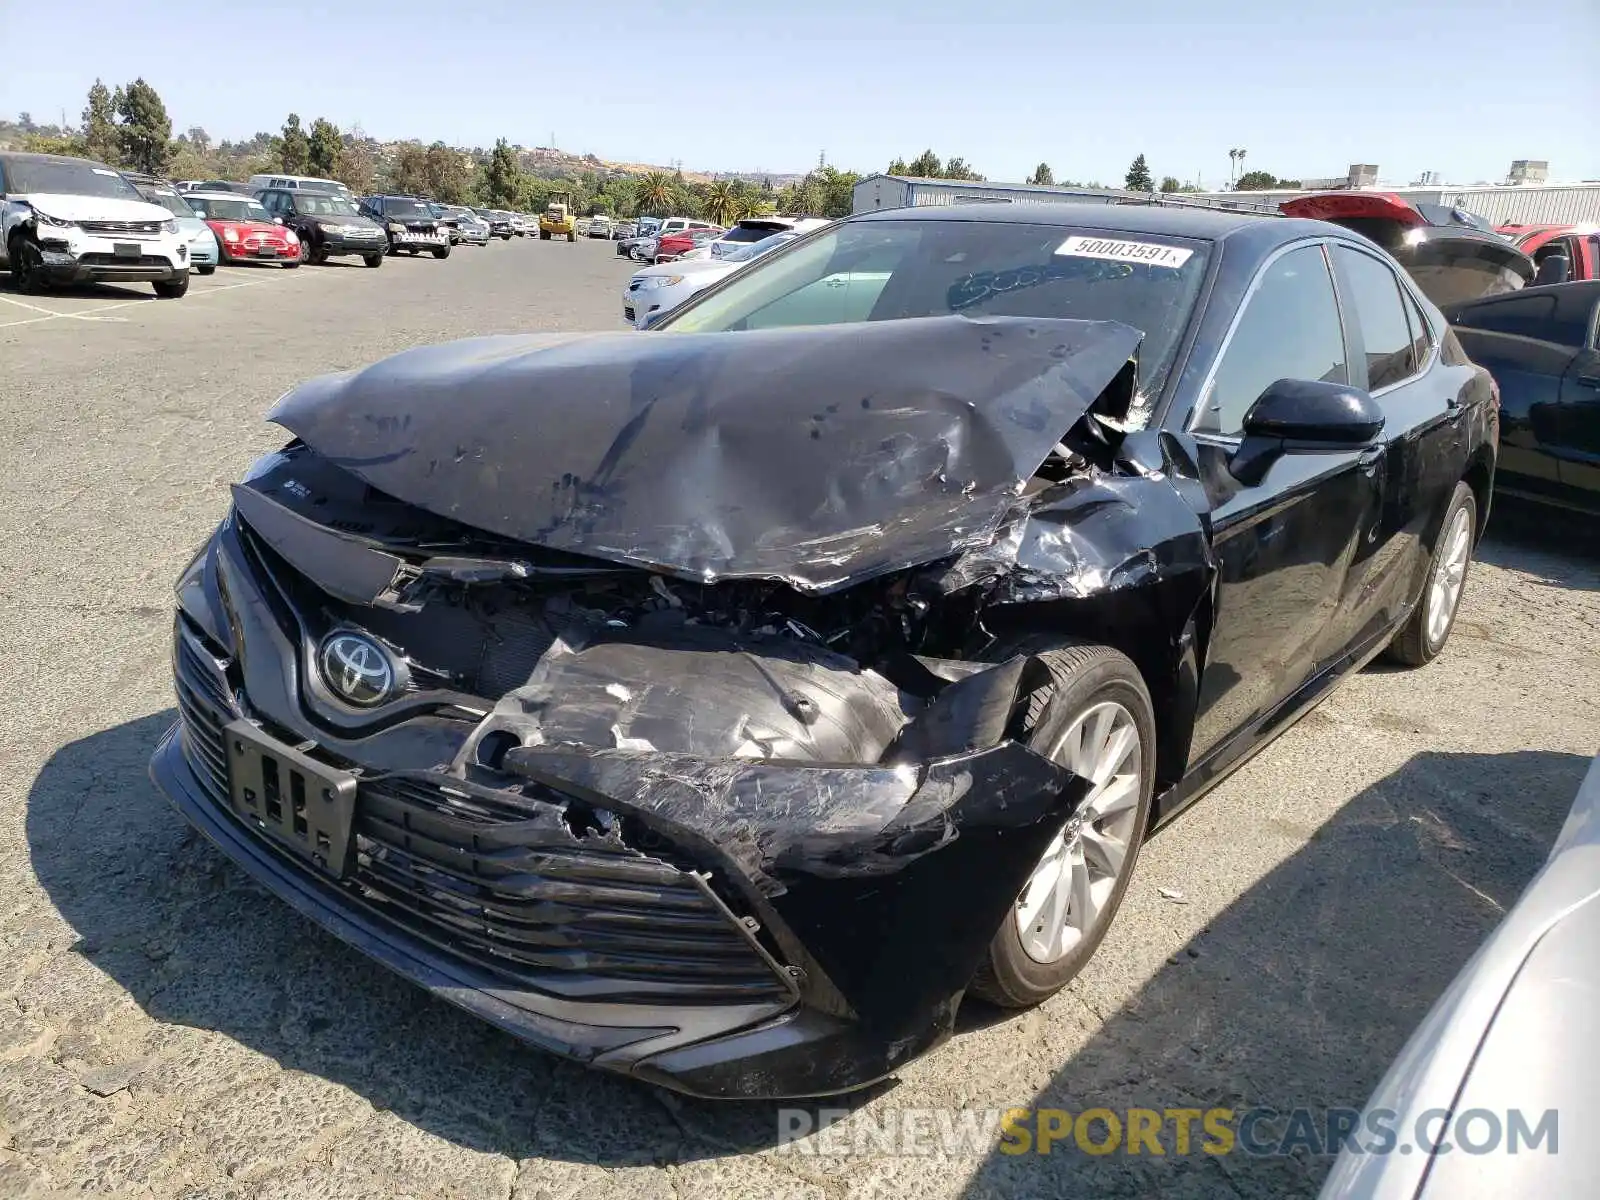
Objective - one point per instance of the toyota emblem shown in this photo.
(357, 669)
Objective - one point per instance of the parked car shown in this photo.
(521, 225)
(203, 254)
(224, 185)
(69, 220)
(245, 230)
(1454, 255)
(670, 246)
(499, 223)
(730, 748)
(328, 225)
(298, 183)
(410, 226)
(657, 290)
(645, 248)
(1541, 346)
(753, 229)
(1578, 245)
(465, 224)
(643, 229)
(624, 229)
(1512, 1035)
(599, 226)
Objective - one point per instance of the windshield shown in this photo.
(229, 208)
(885, 270)
(171, 201)
(324, 206)
(755, 249)
(404, 208)
(44, 176)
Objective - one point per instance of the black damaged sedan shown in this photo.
(722, 705)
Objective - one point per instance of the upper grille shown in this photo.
(149, 228)
(518, 893)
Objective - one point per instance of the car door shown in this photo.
(1424, 406)
(1283, 545)
(1578, 419)
(1518, 340)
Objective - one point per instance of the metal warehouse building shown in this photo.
(1522, 204)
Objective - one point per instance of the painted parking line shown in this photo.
(196, 291)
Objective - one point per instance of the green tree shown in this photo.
(654, 193)
(447, 174)
(409, 171)
(837, 190)
(897, 167)
(1138, 177)
(357, 163)
(957, 168)
(100, 125)
(294, 151)
(144, 134)
(1260, 181)
(324, 149)
(720, 203)
(502, 177)
(926, 165)
(1170, 183)
(1042, 175)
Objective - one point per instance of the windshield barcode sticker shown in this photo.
(1129, 252)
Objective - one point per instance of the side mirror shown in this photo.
(1303, 416)
(1554, 268)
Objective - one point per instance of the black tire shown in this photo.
(172, 289)
(572, 237)
(209, 269)
(372, 260)
(1080, 676)
(543, 236)
(1413, 645)
(441, 252)
(27, 264)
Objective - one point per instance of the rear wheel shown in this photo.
(1424, 635)
(172, 289)
(372, 260)
(1095, 718)
(27, 264)
(441, 252)
(572, 237)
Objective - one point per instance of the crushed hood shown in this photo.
(818, 456)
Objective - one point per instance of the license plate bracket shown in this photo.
(126, 249)
(305, 806)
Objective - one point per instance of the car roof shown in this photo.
(198, 195)
(29, 156)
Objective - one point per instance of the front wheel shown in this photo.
(372, 260)
(441, 252)
(172, 289)
(27, 264)
(209, 269)
(1425, 633)
(572, 237)
(1093, 717)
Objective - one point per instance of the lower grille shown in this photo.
(204, 706)
(117, 260)
(517, 892)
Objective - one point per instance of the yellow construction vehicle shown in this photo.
(557, 219)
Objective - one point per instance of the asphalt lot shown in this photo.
(167, 1029)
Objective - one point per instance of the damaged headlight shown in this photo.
(170, 225)
(52, 222)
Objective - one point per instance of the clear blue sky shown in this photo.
(1460, 87)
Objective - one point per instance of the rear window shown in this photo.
(885, 270)
(752, 233)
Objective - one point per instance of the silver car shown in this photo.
(1497, 1088)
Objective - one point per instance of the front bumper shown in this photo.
(72, 256)
(203, 252)
(411, 240)
(832, 965)
(350, 243)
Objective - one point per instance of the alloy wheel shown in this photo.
(1069, 890)
(1445, 591)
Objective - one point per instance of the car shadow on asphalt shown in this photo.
(1303, 990)
(1561, 547)
(195, 943)
(82, 291)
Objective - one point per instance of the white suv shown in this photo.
(69, 220)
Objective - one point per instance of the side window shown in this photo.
(1289, 330)
(1421, 330)
(1373, 293)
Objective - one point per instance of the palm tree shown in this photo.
(720, 203)
(655, 193)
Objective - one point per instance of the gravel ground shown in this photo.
(167, 1029)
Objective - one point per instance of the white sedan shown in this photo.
(657, 290)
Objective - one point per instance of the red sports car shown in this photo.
(245, 231)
